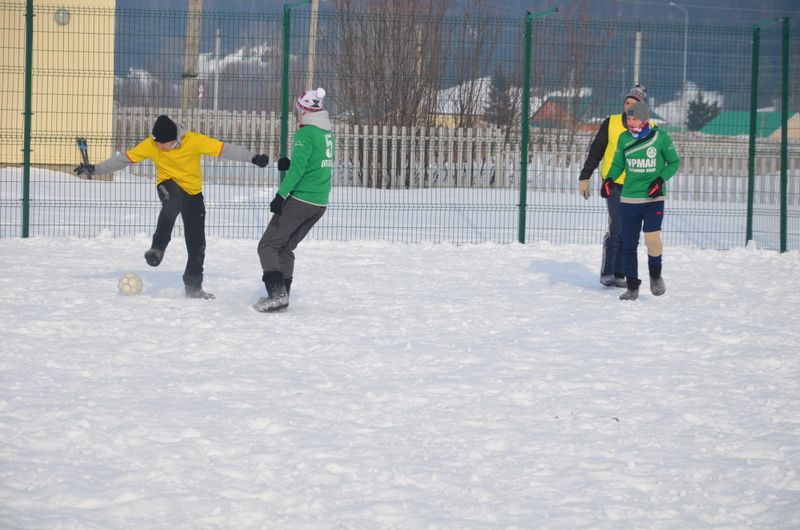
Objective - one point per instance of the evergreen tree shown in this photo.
(500, 109)
(700, 112)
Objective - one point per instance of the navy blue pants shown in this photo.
(637, 218)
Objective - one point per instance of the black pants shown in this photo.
(192, 209)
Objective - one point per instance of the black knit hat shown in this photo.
(164, 130)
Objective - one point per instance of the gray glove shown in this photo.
(584, 189)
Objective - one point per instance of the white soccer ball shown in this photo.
(130, 283)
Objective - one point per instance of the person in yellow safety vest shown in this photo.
(603, 148)
(176, 154)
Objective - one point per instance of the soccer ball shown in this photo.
(130, 283)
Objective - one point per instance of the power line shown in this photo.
(704, 6)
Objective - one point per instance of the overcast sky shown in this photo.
(746, 11)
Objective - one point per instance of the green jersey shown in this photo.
(309, 175)
(644, 160)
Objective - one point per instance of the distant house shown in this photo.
(558, 112)
(469, 98)
(577, 109)
(792, 129)
(581, 112)
(737, 123)
(473, 97)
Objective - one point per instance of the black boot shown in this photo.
(193, 284)
(657, 284)
(193, 291)
(633, 289)
(154, 256)
(287, 282)
(277, 298)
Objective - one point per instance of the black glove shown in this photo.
(605, 188)
(85, 169)
(656, 188)
(276, 206)
(261, 160)
(283, 163)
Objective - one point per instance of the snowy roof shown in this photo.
(675, 111)
(479, 90)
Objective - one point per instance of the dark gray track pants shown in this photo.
(612, 242)
(284, 233)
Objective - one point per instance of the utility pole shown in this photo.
(637, 56)
(191, 54)
(685, 39)
(312, 44)
(216, 68)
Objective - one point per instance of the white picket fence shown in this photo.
(713, 168)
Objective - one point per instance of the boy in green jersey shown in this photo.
(650, 160)
(301, 200)
(601, 153)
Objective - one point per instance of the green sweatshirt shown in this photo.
(644, 160)
(309, 175)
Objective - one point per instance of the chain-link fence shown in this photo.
(427, 113)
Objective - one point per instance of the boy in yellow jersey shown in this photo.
(603, 148)
(176, 154)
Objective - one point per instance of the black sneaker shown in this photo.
(154, 256)
(198, 292)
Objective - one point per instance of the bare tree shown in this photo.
(390, 55)
(570, 56)
(472, 46)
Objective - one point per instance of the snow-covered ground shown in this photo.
(407, 386)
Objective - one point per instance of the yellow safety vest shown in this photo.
(615, 128)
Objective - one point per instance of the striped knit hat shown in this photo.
(639, 93)
(311, 100)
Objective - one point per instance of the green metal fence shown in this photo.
(428, 112)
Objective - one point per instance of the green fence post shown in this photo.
(526, 103)
(287, 34)
(26, 139)
(751, 153)
(526, 95)
(784, 132)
